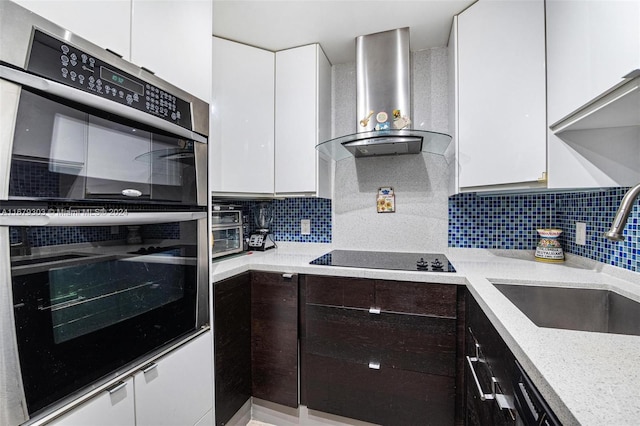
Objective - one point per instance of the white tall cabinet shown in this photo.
(173, 39)
(500, 105)
(106, 23)
(591, 45)
(169, 37)
(177, 389)
(302, 120)
(241, 140)
(109, 408)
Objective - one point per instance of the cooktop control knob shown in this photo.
(422, 265)
(436, 265)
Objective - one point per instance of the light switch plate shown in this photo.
(305, 227)
(581, 233)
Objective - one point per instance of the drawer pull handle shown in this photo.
(374, 311)
(504, 402)
(287, 276)
(374, 365)
(116, 387)
(483, 396)
(149, 367)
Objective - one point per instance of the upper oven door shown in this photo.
(75, 127)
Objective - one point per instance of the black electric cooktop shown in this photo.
(428, 262)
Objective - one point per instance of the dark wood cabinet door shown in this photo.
(496, 362)
(274, 337)
(232, 334)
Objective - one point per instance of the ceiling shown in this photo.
(276, 25)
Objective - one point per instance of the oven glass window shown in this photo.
(62, 152)
(96, 295)
(107, 297)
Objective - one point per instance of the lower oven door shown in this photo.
(116, 289)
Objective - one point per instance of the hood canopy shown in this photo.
(385, 142)
(383, 103)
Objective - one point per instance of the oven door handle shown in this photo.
(91, 100)
(95, 217)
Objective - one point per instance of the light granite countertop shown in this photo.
(587, 378)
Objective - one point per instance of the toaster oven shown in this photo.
(226, 230)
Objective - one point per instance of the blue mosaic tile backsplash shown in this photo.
(510, 222)
(287, 214)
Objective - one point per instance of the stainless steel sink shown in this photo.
(575, 308)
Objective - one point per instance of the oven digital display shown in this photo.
(107, 75)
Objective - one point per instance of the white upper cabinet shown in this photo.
(302, 120)
(591, 45)
(501, 128)
(106, 23)
(241, 143)
(173, 39)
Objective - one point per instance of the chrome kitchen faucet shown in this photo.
(620, 220)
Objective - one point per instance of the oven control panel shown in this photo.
(61, 62)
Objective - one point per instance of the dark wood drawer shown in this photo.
(410, 342)
(340, 291)
(386, 396)
(416, 298)
(389, 296)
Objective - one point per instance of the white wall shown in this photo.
(420, 181)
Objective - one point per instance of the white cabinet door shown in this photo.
(173, 39)
(110, 408)
(501, 93)
(106, 23)
(303, 103)
(178, 389)
(591, 45)
(241, 140)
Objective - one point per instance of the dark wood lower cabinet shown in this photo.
(387, 352)
(274, 337)
(232, 337)
(394, 362)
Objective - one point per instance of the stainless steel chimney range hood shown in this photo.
(383, 104)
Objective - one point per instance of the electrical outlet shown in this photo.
(581, 233)
(305, 227)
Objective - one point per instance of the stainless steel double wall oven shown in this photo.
(103, 217)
